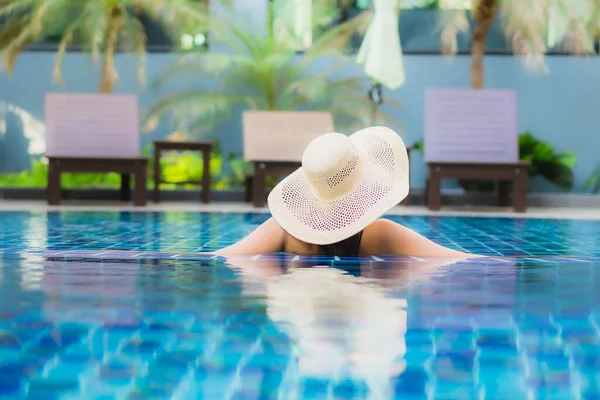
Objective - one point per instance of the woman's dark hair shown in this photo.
(345, 248)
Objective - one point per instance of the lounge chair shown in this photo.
(472, 135)
(94, 133)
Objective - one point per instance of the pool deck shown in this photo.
(532, 212)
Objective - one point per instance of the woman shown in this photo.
(331, 205)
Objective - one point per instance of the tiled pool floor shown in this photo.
(120, 305)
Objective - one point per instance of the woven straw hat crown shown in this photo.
(344, 184)
(333, 165)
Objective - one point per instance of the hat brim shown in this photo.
(384, 185)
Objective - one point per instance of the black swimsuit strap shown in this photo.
(358, 242)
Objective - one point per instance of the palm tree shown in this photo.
(250, 70)
(531, 26)
(102, 26)
(484, 13)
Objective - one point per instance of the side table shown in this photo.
(204, 147)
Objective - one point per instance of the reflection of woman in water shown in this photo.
(344, 327)
(331, 204)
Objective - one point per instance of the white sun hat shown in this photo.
(344, 184)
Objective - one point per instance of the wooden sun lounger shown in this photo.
(137, 166)
(472, 134)
(94, 133)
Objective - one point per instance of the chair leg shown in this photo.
(259, 186)
(206, 178)
(520, 191)
(156, 192)
(503, 187)
(434, 189)
(140, 196)
(248, 189)
(125, 187)
(53, 190)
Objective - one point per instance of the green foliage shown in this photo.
(545, 162)
(593, 182)
(37, 177)
(419, 145)
(249, 70)
(176, 167)
(100, 26)
(240, 169)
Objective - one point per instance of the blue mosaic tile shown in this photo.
(121, 305)
(412, 382)
(51, 388)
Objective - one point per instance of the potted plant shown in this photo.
(266, 72)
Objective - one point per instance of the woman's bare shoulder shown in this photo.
(384, 236)
(381, 226)
(383, 223)
(373, 235)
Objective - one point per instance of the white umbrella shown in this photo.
(381, 51)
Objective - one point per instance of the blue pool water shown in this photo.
(122, 305)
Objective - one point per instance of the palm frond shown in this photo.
(24, 25)
(102, 27)
(233, 32)
(16, 7)
(134, 37)
(65, 41)
(38, 18)
(325, 13)
(199, 63)
(593, 24)
(192, 104)
(525, 28)
(178, 15)
(94, 33)
(338, 37)
(352, 84)
(8, 32)
(568, 25)
(15, 46)
(452, 23)
(203, 127)
(309, 87)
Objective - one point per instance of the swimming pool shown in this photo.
(122, 305)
